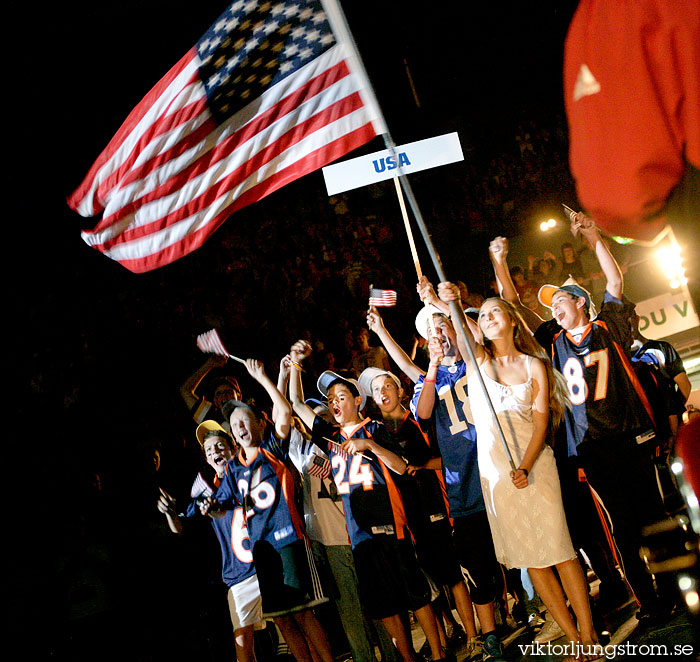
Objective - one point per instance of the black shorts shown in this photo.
(474, 547)
(389, 577)
(436, 553)
(284, 576)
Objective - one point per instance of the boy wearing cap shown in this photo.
(610, 422)
(389, 576)
(258, 478)
(238, 571)
(423, 491)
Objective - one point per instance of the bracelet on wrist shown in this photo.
(428, 381)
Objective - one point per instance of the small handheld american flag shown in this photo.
(380, 298)
(210, 342)
(319, 466)
(200, 488)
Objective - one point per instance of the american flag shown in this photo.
(211, 342)
(200, 488)
(264, 97)
(382, 297)
(319, 466)
(337, 448)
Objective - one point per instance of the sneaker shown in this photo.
(535, 621)
(492, 650)
(474, 648)
(549, 632)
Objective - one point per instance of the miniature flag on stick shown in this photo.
(380, 298)
(210, 342)
(200, 488)
(319, 466)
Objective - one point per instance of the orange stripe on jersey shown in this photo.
(589, 326)
(396, 501)
(438, 472)
(636, 384)
(361, 424)
(286, 480)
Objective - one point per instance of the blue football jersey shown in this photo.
(265, 486)
(456, 438)
(232, 534)
(371, 499)
(607, 398)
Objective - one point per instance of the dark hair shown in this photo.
(351, 387)
(228, 407)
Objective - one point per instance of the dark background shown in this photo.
(102, 352)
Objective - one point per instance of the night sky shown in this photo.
(106, 350)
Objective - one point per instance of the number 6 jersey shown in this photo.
(606, 395)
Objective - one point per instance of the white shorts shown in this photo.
(244, 603)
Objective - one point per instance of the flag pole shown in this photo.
(339, 25)
(412, 244)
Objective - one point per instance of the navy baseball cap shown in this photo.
(570, 286)
(328, 378)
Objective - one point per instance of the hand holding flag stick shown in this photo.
(210, 342)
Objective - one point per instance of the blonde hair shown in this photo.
(525, 343)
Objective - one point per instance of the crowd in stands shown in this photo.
(308, 314)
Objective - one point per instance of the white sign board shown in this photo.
(411, 157)
(665, 315)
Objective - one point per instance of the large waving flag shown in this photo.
(268, 94)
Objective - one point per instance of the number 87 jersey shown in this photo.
(371, 499)
(606, 395)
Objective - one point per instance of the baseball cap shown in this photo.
(328, 378)
(368, 375)
(570, 286)
(207, 426)
(422, 319)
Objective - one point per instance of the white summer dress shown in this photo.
(528, 525)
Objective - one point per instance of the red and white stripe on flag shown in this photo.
(211, 342)
(200, 488)
(183, 160)
(382, 297)
(319, 466)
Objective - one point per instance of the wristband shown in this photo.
(296, 365)
(428, 381)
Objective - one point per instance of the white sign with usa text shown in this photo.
(377, 167)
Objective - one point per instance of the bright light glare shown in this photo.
(551, 222)
(675, 284)
(544, 226)
(685, 583)
(692, 599)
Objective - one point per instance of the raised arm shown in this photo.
(300, 350)
(498, 252)
(281, 409)
(449, 292)
(189, 388)
(426, 398)
(376, 324)
(613, 276)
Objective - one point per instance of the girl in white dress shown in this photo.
(524, 506)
